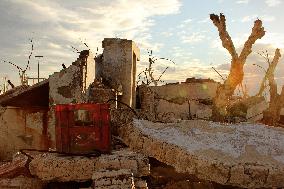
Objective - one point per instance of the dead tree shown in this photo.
(269, 73)
(146, 76)
(236, 75)
(272, 114)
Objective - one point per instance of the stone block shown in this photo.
(243, 155)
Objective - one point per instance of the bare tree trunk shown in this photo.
(225, 91)
(272, 115)
(269, 75)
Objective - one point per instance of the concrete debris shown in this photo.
(15, 168)
(140, 183)
(199, 110)
(250, 109)
(116, 179)
(125, 159)
(189, 100)
(100, 95)
(244, 155)
(21, 182)
(255, 111)
(52, 167)
(188, 185)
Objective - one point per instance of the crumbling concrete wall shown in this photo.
(70, 84)
(186, 100)
(118, 67)
(187, 90)
(22, 128)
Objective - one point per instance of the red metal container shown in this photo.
(83, 128)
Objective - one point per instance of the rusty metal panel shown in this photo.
(83, 128)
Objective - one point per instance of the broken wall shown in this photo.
(118, 67)
(22, 128)
(178, 101)
(70, 84)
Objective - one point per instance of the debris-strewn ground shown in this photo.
(245, 155)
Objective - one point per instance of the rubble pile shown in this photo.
(169, 128)
(53, 167)
(244, 155)
(105, 179)
(21, 182)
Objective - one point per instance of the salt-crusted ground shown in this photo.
(246, 155)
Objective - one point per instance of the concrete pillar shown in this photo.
(120, 57)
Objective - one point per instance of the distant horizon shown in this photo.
(178, 30)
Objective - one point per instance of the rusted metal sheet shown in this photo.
(83, 128)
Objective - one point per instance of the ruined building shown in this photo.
(27, 112)
(158, 137)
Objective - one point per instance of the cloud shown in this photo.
(205, 20)
(272, 39)
(272, 3)
(167, 34)
(185, 23)
(193, 38)
(58, 25)
(242, 1)
(251, 18)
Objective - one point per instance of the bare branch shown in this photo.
(256, 33)
(218, 73)
(269, 75)
(162, 73)
(19, 68)
(31, 53)
(220, 23)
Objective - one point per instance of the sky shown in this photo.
(174, 29)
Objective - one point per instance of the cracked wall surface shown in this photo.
(70, 84)
(178, 101)
(66, 86)
(190, 91)
(244, 155)
(22, 128)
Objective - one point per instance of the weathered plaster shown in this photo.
(70, 84)
(21, 128)
(119, 67)
(188, 91)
